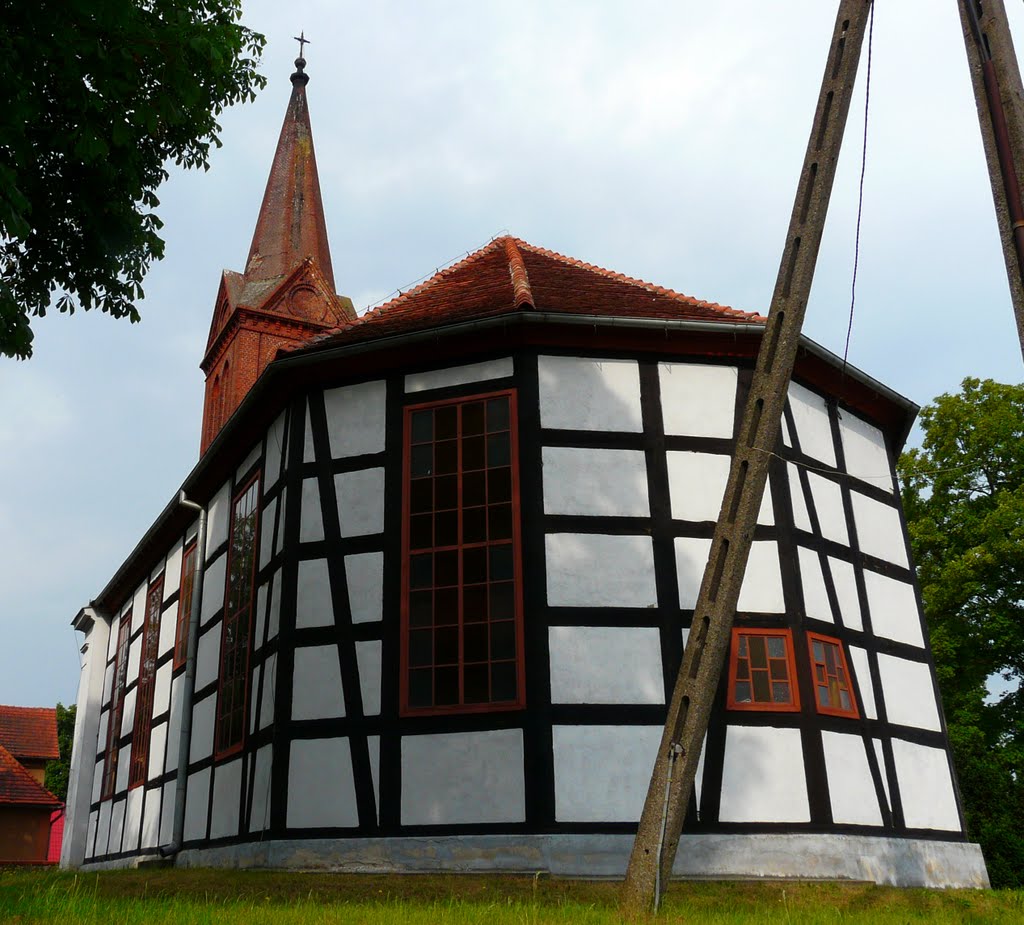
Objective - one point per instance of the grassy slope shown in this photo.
(277, 898)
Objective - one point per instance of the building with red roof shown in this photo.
(421, 601)
(28, 740)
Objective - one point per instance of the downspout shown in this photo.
(189, 684)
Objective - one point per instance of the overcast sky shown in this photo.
(659, 139)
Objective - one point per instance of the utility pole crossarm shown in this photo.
(689, 710)
(995, 77)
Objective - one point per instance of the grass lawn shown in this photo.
(165, 896)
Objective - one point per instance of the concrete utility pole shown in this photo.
(657, 838)
(995, 77)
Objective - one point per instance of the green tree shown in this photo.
(963, 493)
(57, 772)
(97, 98)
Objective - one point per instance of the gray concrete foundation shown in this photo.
(902, 862)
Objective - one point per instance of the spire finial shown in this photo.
(300, 76)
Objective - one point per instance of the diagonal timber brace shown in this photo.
(668, 795)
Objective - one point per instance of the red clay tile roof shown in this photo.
(18, 786)
(29, 732)
(510, 275)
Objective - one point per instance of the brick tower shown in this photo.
(286, 294)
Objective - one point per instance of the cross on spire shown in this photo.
(302, 40)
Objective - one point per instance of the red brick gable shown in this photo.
(18, 787)
(29, 732)
(510, 275)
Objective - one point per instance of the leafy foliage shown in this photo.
(96, 99)
(57, 772)
(963, 493)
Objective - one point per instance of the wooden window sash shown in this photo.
(120, 682)
(833, 682)
(789, 660)
(144, 692)
(187, 583)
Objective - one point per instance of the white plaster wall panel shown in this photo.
(368, 661)
(90, 838)
(909, 692)
(157, 747)
(97, 780)
(893, 606)
(174, 723)
(108, 684)
(311, 521)
(593, 570)
(316, 686)
(213, 589)
(355, 418)
(208, 657)
(879, 530)
(463, 777)
(850, 785)
(259, 818)
(308, 448)
(787, 438)
(203, 718)
(274, 451)
(828, 505)
(812, 581)
(267, 521)
(595, 482)
(373, 747)
(880, 756)
(116, 827)
(801, 519)
(321, 786)
(845, 580)
(459, 375)
(926, 787)
(601, 772)
(128, 714)
(168, 622)
(132, 820)
(134, 654)
(227, 785)
(360, 501)
(139, 612)
(763, 776)
(865, 452)
(158, 570)
(605, 664)
(577, 393)
(256, 675)
(112, 636)
(273, 617)
(197, 800)
(101, 737)
(762, 582)
(151, 819)
(217, 513)
(103, 828)
(248, 462)
(283, 501)
(313, 605)
(696, 483)
(698, 400)
(167, 813)
(813, 428)
(862, 670)
(365, 574)
(269, 688)
(172, 577)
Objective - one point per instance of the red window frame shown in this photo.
(461, 629)
(188, 574)
(740, 663)
(124, 634)
(831, 676)
(144, 693)
(236, 626)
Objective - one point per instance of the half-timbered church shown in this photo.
(421, 601)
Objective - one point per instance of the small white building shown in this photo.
(450, 556)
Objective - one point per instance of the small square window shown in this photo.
(833, 688)
(762, 672)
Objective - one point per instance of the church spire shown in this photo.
(291, 224)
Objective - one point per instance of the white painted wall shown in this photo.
(356, 418)
(463, 777)
(316, 684)
(815, 596)
(360, 501)
(132, 820)
(595, 482)
(264, 715)
(203, 717)
(151, 819)
(763, 776)
(459, 375)
(862, 670)
(157, 748)
(578, 393)
(851, 789)
(593, 570)
(213, 589)
(813, 428)
(275, 446)
(217, 515)
(321, 786)
(168, 620)
(893, 606)
(172, 575)
(311, 520)
(762, 582)
(260, 814)
(909, 693)
(697, 483)
(227, 785)
(368, 654)
(828, 505)
(864, 449)
(365, 573)
(197, 799)
(308, 447)
(602, 772)
(116, 826)
(698, 400)
(926, 787)
(605, 664)
(267, 531)
(208, 657)
(879, 529)
(313, 605)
